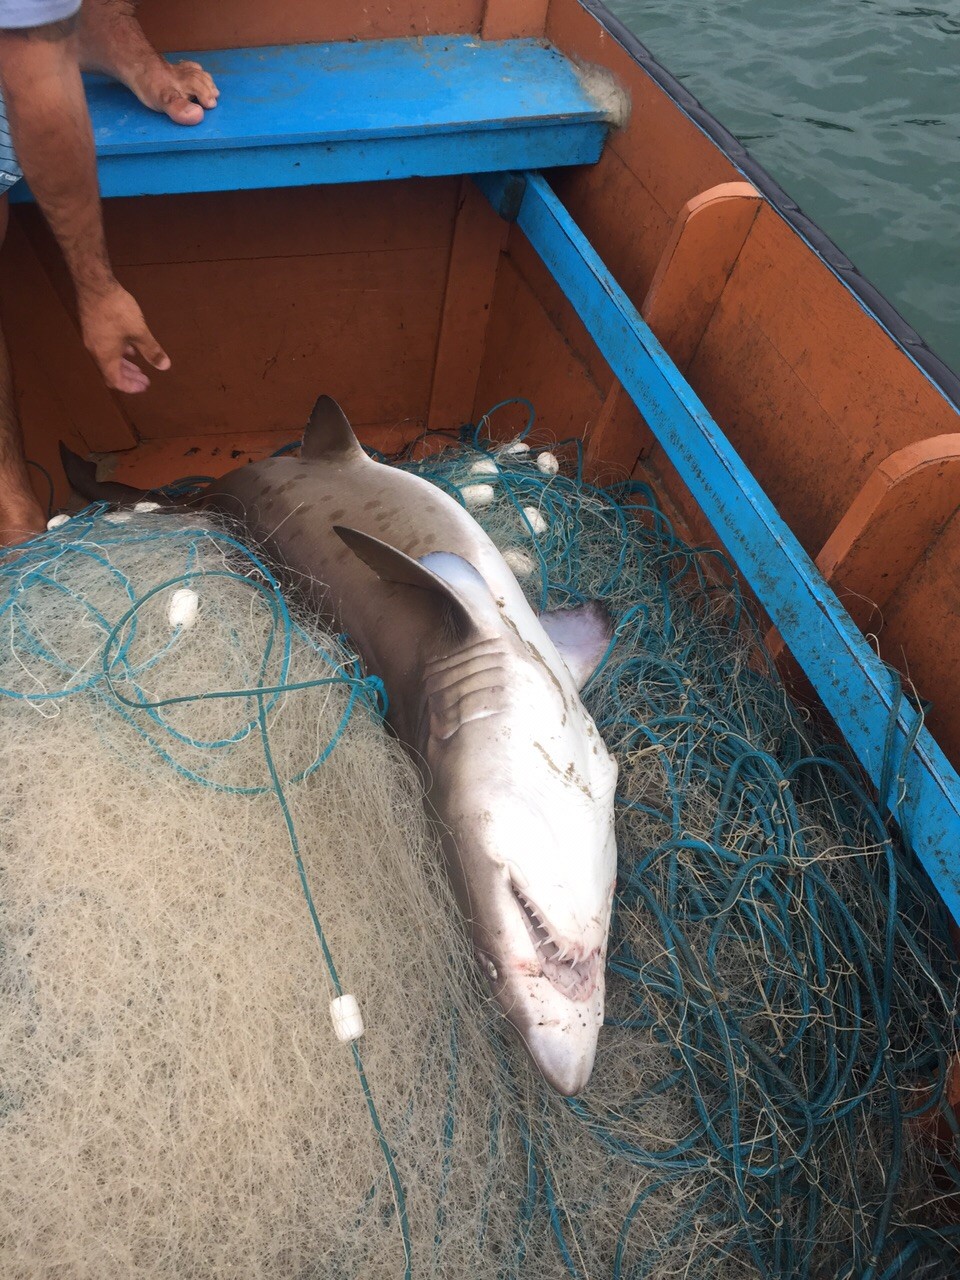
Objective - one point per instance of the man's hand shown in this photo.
(114, 331)
(51, 130)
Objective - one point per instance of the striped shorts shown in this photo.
(10, 171)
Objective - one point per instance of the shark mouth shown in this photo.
(565, 964)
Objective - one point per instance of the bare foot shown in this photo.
(112, 41)
(180, 90)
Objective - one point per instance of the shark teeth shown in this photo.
(568, 967)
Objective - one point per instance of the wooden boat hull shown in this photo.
(417, 306)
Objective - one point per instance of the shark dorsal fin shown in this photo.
(391, 565)
(328, 434)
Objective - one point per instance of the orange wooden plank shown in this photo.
(858, 373)
(158, 462)
(184, 24)
(917, 634)
(809, 389)
(696, 264)
(598, 198)
(295, 222)
(892, 524)
(506, 19)
(254, 341)
(557, 308)
(671, 491)
(263, 299)
(478, 239)
(527, 355)
(539, 348)
(808, 467)
(618, 439)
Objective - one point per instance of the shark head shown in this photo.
(522, 788)
(533, 862)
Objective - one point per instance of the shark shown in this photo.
(484, 693)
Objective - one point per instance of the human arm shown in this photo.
(50, 126)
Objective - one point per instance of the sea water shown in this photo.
(854, 107)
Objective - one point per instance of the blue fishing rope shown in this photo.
(856, 1038)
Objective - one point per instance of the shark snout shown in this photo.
(535, 883)
(559, 1034)
(565, 1061)
(546, 971)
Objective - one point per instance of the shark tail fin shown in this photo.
(82, 475)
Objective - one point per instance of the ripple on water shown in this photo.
(854, 109)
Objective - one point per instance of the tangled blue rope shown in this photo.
(768, 926)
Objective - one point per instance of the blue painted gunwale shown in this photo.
(861, 694)
(294, 115)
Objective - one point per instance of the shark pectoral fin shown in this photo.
(582, 637)
(328, 434)
(391, 565)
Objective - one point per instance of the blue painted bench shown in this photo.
(353, 112)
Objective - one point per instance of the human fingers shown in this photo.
(127, 376)
(143, 342)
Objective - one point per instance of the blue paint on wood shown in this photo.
(352, 112)
(244, 169)
(855, 687)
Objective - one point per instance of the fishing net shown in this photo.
(207, 835)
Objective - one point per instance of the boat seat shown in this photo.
(359, 111)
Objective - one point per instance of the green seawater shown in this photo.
(853, 106)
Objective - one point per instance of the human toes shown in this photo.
(196, 83)
(180, 107)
